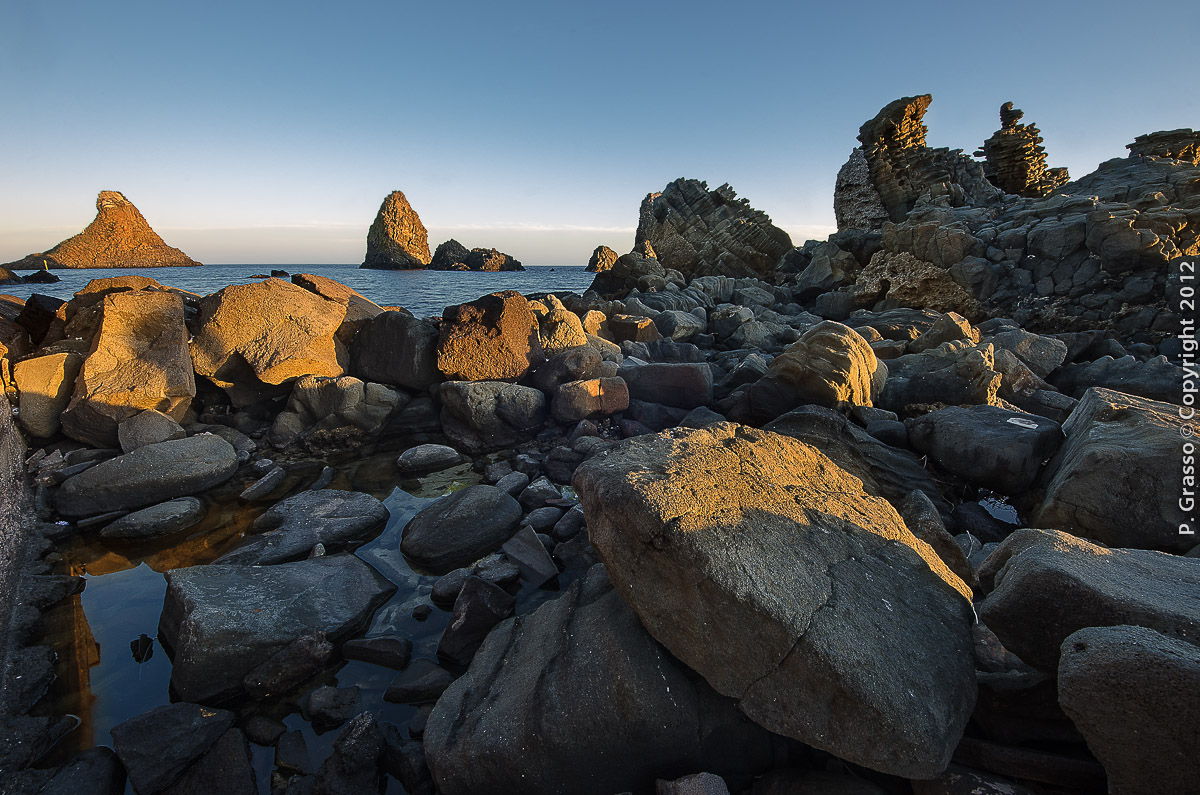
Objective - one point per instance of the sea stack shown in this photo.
(119, 237)
(397, 240)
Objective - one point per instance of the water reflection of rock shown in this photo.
(68, 631)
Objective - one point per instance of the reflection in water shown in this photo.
(142, 648)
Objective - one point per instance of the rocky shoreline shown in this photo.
(892, 512)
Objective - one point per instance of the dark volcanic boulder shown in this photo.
(254, 340)
(989, 446)
(1108, 481)
(495, 337)
(624, 274)
(1067, 584)
(397, 239)
(602, 259)
(614, 710)
(148, 475)
(1134, 694)
(220, 622)
(448, 255)
(461, 528)
(454, 256)
(139, 360)
(766, 568)
(119, 237)
(480, 416)
(159, 520)
(699, 232)
(157, 746)
(397, 348)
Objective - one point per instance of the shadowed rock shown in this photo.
(119, 237)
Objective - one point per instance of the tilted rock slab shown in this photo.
(255, 338)
(397, 240)
(139, 360)
(577, 697)
(766, 568)
(220, 622)
(119, 237)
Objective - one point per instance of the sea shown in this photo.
(424, 293)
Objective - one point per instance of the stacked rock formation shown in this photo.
(454, 256)
(1015, 160)
(397, 240)
(1182, 144)
(119, 237)
(702, 232)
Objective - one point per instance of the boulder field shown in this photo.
(894, 512)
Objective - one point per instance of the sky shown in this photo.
(269, 132)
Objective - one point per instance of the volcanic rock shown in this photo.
(45, 384)
(701, 232)
(397, 239)
(397, 348)
(625, 274)
(495, 337)
(481, 416)
(903, 280)
(602, 259)
(1015, 160)
(448, 255)
(766, 568)
(856, 202)
(220, 622)
(1182, 144)
(157, 746)
(454, 256)
(119, 237)
(156, 521)
(461, 528)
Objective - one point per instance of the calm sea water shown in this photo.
(423, 293)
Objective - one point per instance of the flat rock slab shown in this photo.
(1110, 479)
(1049, 584)
(1134, 694)
(291, 528)
(157, 746)
(148, 475)
(157, 521)
(767, 569)
(222, 621)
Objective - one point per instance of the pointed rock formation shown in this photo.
(1015, 160)
(702, 232)
(602, 259)
(397, 239)
(119, 237)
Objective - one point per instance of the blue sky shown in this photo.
(269, 132)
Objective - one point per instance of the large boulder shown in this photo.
(254, 340)
(397, 348)
(1067, 584)
(461, 528)
(625, 274)
(684, 385)
(480, 416)
(147, 476)
(118, 237)
(595, 397)
(138, 360)
(986, 445)
(1134, 694)
(560, 328)
(954, 373)
(903, 280)
(290, 529)
(766, 568)
(220, 622)
(702, 232)
(494, 338)
(157, 746)
(326, 403)
(45, 384)
(614, 710)
(397, 239)
(1108, 481)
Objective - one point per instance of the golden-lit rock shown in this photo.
(494, 338)
(397, 239)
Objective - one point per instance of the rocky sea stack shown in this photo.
(397, 240)
(119, 237)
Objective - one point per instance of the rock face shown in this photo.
(1182, 144)
(397, 348)
(1015, 160)
(156, 747)
(903, 168)
(481, 416)
(119, 237)
(397, 239)
(220, 622)
(449, 254)
(764, 567)
(254, 340)
(495, 337)
(45, 384)
(1068, 584)
(602, 259)
(1134, 694)
(903, 280)
(614, 711)
(139, 360)
(454, 256)
(625, 274)
(856, 202)
(699, 232)
(1107, 481)
(148, 475)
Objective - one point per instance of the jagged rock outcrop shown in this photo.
(1015, 160)
(904, 280)
(119, 237)
(454, 256)
(602, 259)
(1182, 144)
(397, 239)
(702, 232)
(903, 169)
(856, 203)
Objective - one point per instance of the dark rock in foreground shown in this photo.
(157, 746)
(461, 528)
(220, 622)
(614, 711)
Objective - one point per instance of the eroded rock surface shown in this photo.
(397, 239)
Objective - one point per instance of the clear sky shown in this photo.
(269, 132)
